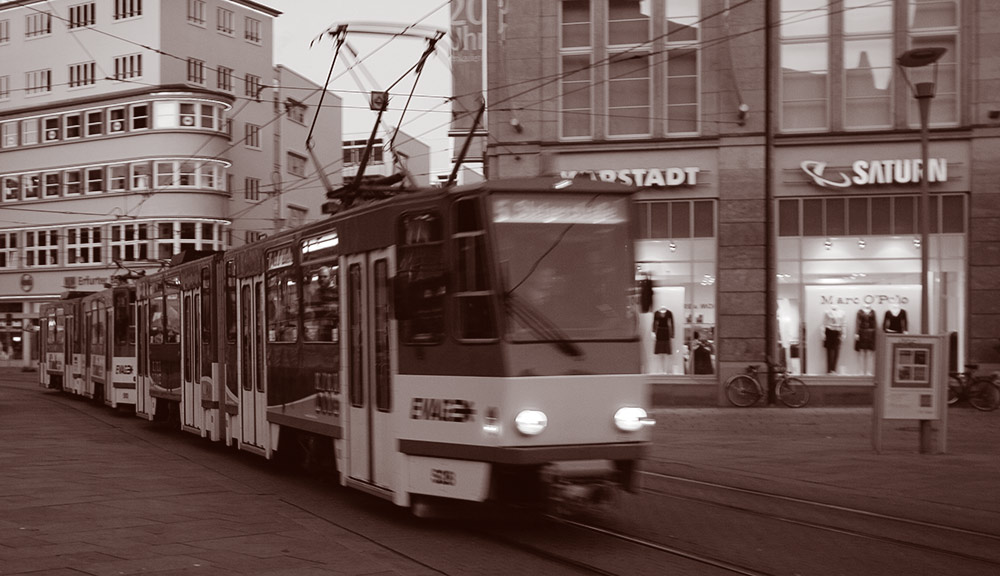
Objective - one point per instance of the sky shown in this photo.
(385, 58)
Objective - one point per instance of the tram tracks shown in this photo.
(921, 535)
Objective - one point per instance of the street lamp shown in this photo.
(923, 92)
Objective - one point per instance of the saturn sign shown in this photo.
(868, 172)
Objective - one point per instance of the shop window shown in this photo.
(788, 218)
(282, 296)
(857, 216)
(704, 219)
(952, 214)
(904, 215)
(835, 217)
(680, 220)
(881, 212)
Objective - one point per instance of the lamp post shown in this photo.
(932, 432)
(923, 92)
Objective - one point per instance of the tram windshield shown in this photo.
(566, 266)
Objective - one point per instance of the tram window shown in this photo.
(230, 302)
(124, 333)
(473, 296)
(420, 286)
(173, 318)
(383, 389)
(321, 302)
(282, 306)
(156, 319)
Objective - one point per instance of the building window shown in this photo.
(82, 15)
(936, 24)
(41, 248)
(140, 175)
(683, 21)
(8, 135)
(32, 185)
(296, 216)
(252, 136)
(8, 249)
(252, 84)
(355, 149)
(117, 176)
(95, 179)
(254, 236)
(576, 51)
(629, 73)
(37, 24)
(804, 31)
(296, 164)
(252, 32)
(71, 182)
(4, 87)
(38, 81)
(11, 188)
(251, 189)
(95, 122)
(51, 184)
(129, 66)
(4, 31)
(224, 78)
(196, 71)
(127, 9)
(868, 65)
(52, 126)
(82, 74)
(83, 245)
(225, 21)
(140, 116)
(116, 120)
(196, 12)
(72, 124)
(296, 111)
(129, 242)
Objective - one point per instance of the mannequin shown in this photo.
(833, 335)
(894, 321)
(864, 337)
(663, 332)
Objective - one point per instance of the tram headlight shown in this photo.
(531, 422)
(632, 418)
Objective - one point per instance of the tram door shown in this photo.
(369, 367)
(253, 397)
(190, 361)
(143, 401)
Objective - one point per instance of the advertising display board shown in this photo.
(911, 378)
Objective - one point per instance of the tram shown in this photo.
(474, 343)
(87, 342)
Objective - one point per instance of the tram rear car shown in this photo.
(477, 343)
(59, 341)
(179, 357)
(107, 328)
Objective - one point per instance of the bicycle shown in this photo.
(745, 389)
(981, 391)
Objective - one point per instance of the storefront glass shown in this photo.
(676, 252)
(849, 268)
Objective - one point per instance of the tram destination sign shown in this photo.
(553, 210)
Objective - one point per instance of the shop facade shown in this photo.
(848, 251)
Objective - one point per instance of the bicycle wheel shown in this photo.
(792, 392)
(742, 390)
(954, 389)
(984, 394)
